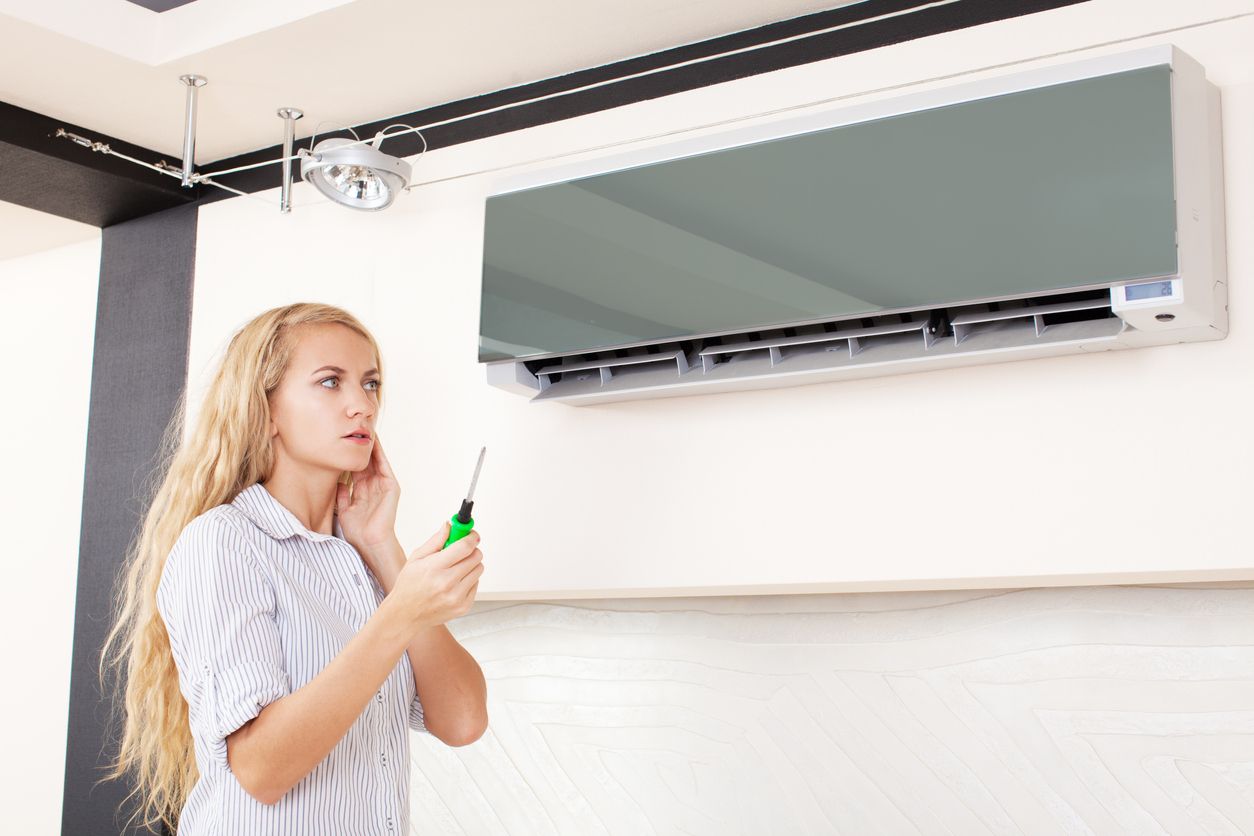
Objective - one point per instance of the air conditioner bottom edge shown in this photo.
(1063, 341)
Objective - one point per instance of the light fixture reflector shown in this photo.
(359, 176)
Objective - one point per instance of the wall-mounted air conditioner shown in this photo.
(1066, 209)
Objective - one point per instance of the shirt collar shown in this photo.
(268, 514)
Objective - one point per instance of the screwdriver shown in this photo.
(461, 523)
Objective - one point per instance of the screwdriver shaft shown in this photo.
(470, 494)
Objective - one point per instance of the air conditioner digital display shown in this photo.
(1056, 187)
(1152, 290)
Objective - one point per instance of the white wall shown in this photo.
(46, 343)
(1124, 467)
(1089, 710)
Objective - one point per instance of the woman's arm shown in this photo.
(450, 683)
(275, 750)
(454, 693)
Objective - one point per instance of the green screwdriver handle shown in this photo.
(460, 524)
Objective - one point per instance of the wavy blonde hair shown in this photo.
(228, 451)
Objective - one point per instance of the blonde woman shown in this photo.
(278, 643)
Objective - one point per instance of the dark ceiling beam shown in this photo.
(53, 174)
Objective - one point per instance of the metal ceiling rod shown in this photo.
(194, 83)
(289, 116)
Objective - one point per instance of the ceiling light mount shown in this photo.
(194, 83)
(289, 115)
(352, 172)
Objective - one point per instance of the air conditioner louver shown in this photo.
(886, 344)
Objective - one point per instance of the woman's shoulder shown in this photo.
(220, 522)
(210, 561)
(217, 537)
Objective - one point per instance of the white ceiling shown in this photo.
(142, 35)
(112, 66)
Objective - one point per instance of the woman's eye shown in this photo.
(377, 383)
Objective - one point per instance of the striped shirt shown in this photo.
(256, 605)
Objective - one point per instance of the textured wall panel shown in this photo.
(1103, 710)
(139, 368)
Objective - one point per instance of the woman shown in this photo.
(278, 642)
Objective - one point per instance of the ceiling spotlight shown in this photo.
(359, 176)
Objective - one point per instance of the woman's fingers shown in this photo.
(469, 565)
(384, 466)
(467, 585)
(434, 543)
(372, 466)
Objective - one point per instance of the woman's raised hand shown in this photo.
(437, 585)
(369, 519)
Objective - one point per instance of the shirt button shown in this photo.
(379, 696)
(385, 759)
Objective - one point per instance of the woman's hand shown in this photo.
(438, 584)
(368, 518)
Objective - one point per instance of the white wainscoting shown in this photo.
(1107, 710)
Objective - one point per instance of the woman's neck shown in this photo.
(309, 499)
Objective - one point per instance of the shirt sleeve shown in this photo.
(415, 715)
(219, 611)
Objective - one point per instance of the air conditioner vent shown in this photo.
(1078, 307)
(851, 347)
(606, 364)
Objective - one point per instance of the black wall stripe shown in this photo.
(139, 367)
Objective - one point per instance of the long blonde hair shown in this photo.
(228, 451)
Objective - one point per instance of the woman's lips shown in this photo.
(356, 440)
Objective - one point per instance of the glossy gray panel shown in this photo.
(1046, 189)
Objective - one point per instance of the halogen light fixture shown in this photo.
(360, 176)
(351, 172)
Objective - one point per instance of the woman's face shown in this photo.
(315, 407)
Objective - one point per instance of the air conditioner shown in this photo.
(1071, 208)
